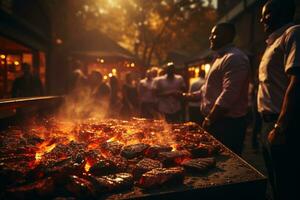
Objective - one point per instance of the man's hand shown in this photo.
(206, 123)
(276, 138)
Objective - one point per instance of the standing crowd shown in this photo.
(220, 102)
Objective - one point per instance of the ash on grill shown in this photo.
(93, 158)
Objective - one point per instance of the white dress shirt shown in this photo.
(281, 57)
(227, 83)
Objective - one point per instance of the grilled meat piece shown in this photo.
(134, 150)
(59, 169)
(102, 167)
(80, 187)
(199, 164)
(120, 163)
(154, 150)
(108, 165)
(173, 157)
(113, 183)
(162, 176)
(204, 150)
(36, 190)
(145, 165)
(112, 147)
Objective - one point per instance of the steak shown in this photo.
(153, 151)
(199, 164)
(112, 147)
(145, 165)
(80, 187)
(173, 157)
(112, 183)
(134, 150)
(102, 167)
(108, 165)
(162, 176)
(204, 150)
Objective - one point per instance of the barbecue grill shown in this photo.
(231, 178)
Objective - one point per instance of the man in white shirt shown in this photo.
(166, 88)
(224, 95)
(146, 96)
(279, 96)
(194, 111)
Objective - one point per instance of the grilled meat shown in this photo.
(80, 187)
(103, 167)
(145, 165)
(108, 166)
(199, 164)
(162, 176)
(113, 183)
(112, 147)
(153, 151)
(173, 157)
(204, 150)
(134, 150)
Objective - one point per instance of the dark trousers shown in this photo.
(195, 114)
(281, 163)
(147, 110)
(231, 132)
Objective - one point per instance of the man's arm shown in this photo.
(192, 97)
(287, 111)
(291, 47)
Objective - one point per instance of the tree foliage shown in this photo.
(150, 28)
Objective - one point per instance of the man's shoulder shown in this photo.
(292, 29)
(236, 53)
(178, 76)
(160, 78)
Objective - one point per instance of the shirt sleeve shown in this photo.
(236, 75)
(155, 84)
(292, 51)
(183, 86)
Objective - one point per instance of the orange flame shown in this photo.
(43, 149)
(174, 147)
(87, 166)
(111, 139)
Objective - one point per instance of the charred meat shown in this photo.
(134, 150)
(199, 164)
(173, 157)
(153, 151)
(145, 165)
(162, 176)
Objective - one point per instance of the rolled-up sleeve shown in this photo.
(235, 80)
(292, 51)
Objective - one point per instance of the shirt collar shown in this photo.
(277, 33)
(220, 52)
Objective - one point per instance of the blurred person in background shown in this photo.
(114, 100)
(154, 71)
(130, 102)
(224, 95)
(193, 107)
(147, 98)
(100, 91)
(279, 97)
(27, 85)
(166, 88)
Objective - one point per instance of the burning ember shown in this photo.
(90, 158)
